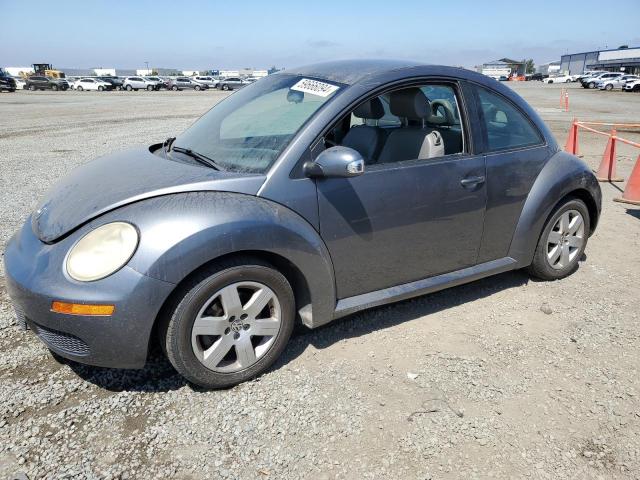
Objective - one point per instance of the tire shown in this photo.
(591, 85)
(544, 267)
(201, 294)
(149, 88)
(225, 87)
(567, 81)
(128, 88)
(80, 88)
(197, 88)
(100, 88)
(174, 88)
(54, 88)
(608, 87)
(32, 88)
(550, 81)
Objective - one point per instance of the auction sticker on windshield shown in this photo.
(314, 87)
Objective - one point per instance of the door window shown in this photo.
(506, 126)
(406, 124)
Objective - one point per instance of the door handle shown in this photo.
(472, 181)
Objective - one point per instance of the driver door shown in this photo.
(406, 219)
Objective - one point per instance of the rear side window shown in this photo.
(507, 127)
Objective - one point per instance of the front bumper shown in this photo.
(35, 278)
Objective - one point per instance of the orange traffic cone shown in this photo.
(631, 192)
(607, 169)
(572, 140)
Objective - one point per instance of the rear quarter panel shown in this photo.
(562, 175)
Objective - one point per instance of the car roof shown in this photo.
(351, 71)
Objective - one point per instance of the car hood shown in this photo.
(115, 180)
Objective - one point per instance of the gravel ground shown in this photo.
(505, 377)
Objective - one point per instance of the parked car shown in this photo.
(232, 83)
(310, 195)
(139, 83)
(618, 82)
(39, 82)
(20, 83)
(7, 82)
(535, 76)
(92, 84)
(210, 82)
(116, 82)
(590, 82)
(632, 86)
(558, 79)
(181, 83)
(503, 78)
(160, 82)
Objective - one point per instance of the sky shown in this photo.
(195, 34)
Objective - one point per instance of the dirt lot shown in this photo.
(505, 377)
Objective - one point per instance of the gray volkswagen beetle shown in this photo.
(304, 197)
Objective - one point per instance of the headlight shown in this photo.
(102, 251)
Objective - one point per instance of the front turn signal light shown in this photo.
(82, 309)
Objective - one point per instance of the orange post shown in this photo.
(631, 192)
(561, 97)
(572, 140)
(566, 100)
(607, 170)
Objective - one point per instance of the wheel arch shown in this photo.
(563, 176)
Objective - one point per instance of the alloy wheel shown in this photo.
(565, 239)
(236, 327)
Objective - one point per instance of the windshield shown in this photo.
(247, 131)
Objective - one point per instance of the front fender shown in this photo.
(181, 232)
(561, 175)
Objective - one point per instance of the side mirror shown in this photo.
(341, 162)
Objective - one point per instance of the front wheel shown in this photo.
(100, 88)
(609, 87)
(32, 88)
(225, 87)
(128, 88)
(197, 88)
(79, 88)
(229, 324)
(562, 242)
(54, 88)
(149, 88)
(592, 85)
(174, 88)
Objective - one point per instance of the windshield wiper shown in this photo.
(204, 160)
(167, 143)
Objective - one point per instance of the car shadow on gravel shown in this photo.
(379, 318)
(159, 376)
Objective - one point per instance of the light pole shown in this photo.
(147, 64)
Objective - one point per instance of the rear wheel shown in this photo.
(54, 88)
(100, 88)
(562, 241)
(174, 88)
(229, 324)
(32, 88)
(608, 87)
(149, 87)
(128, 88)
(197, 87)
(80, 88)
(225, 87)
(591, 85)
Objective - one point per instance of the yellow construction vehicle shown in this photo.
(47, 70)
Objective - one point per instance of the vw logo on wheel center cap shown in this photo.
(236, 326)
